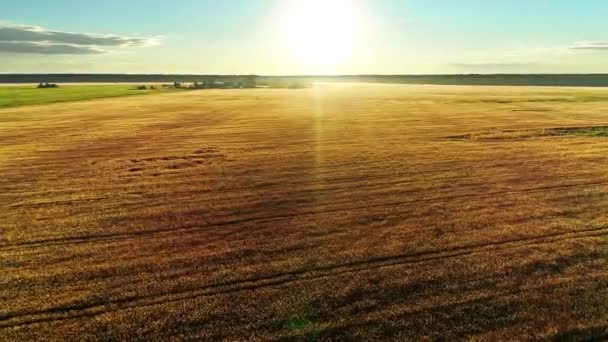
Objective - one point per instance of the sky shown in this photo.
(297, 37)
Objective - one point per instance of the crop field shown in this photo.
(20, 95)
(340, 212)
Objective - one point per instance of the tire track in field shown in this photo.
(330, 184)
(296, 171)
(131, 235)
(415, 170)
(65, 312)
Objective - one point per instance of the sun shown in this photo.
(321, 32)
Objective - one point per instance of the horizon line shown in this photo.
(302, 75)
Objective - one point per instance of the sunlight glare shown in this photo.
(321, 33)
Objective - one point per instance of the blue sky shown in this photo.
(259, 36)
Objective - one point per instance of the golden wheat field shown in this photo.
(340, 212)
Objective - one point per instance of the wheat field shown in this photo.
(349, 212)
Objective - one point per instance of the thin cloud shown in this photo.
(34, 39)
(590, 46)
(492, 65)
(497, 67)
(48, 49)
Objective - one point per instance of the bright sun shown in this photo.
(321, 33)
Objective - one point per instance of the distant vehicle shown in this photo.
(47, 85)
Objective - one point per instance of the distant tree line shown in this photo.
(47, 85)
(570, 80)
(123, 78)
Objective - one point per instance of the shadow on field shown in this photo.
(462, 319)
(597, 333)
(409, 309)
